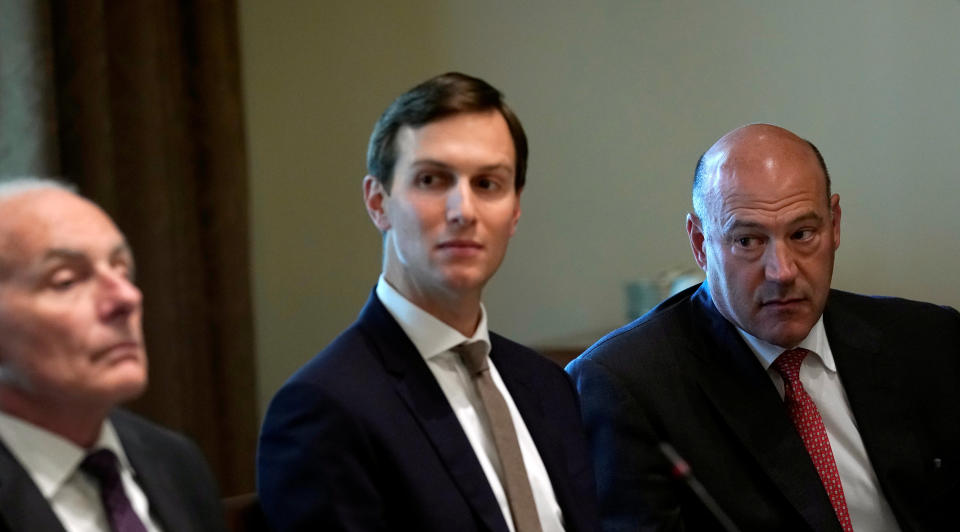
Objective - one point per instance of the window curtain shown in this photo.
(141, 107)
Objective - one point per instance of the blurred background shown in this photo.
(228, 140)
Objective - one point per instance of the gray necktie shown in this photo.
(515, 479)
(103, 466)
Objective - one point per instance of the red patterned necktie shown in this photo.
(806, 418)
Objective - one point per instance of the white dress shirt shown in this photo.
(869, 510)
(53, 463)
(434, 339)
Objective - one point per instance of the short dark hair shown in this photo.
(436, 98)
(699, 174)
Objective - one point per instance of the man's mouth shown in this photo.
(782, 302)
(460, 246)
(120, 350)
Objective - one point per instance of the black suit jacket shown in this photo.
(682, 374)
(170, 470)
(362, 438)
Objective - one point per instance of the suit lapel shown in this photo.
(22, 506)
(875, 391)
(418, 388)
(743, 394)
(523, 387)
(155, 481)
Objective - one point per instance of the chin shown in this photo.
(129, 392)
(786, 338)
(464, 281)
(127, 384)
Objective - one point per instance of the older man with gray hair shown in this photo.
(71, 350)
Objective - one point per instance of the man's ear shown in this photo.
(835, 219)
(516, 214)
(374, 198)
(696, 236)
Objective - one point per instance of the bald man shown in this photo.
(71, 350)
(797, 406)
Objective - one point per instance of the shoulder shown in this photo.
(517, 363)
(348, 379)
(513, 358)
(517, 352)
(130, 425)
(138, 434)
(653, 337)
(356, 354)
(884, 312)
(349, 353)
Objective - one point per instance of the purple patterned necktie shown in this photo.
(103, 466)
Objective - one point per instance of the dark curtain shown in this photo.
(149, 115)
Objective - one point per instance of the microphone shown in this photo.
(681, 471)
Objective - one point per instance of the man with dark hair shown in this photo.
(417, 417)
(71, 350)
(798, 407)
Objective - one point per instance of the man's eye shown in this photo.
(63, 280)
(747, 242)
(803, 234)
(428, 180)
(487, 184)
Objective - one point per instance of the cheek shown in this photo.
(36, 361)
(421, 218)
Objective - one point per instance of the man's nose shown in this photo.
(461, 207)
(119, 296)
(780, 265)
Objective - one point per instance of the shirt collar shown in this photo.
(815, 342)
(49, 458)
(429, 335)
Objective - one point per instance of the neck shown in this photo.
(79, 424)
(464, 317)
(460, 310)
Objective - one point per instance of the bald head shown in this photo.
(750, 146)
(765, 231)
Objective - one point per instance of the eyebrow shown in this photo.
(72, 254)
(445, 166)
(747, 224)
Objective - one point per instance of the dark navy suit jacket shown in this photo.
(362, 438)
(170, 470)
(682, 374)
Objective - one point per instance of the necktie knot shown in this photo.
(102, 465)
(474, 355)
(788, 363)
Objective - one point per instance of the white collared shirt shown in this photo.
(869, 510)
(434, 340)
(53, 463)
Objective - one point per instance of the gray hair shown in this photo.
(11, 187)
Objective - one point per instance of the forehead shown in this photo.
(766, 173)
(459, 137)
(34, 222)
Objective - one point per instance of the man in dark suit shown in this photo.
(416, 417)
(798, 407)
(71, 350)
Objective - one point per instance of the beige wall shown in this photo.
(619, 98)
